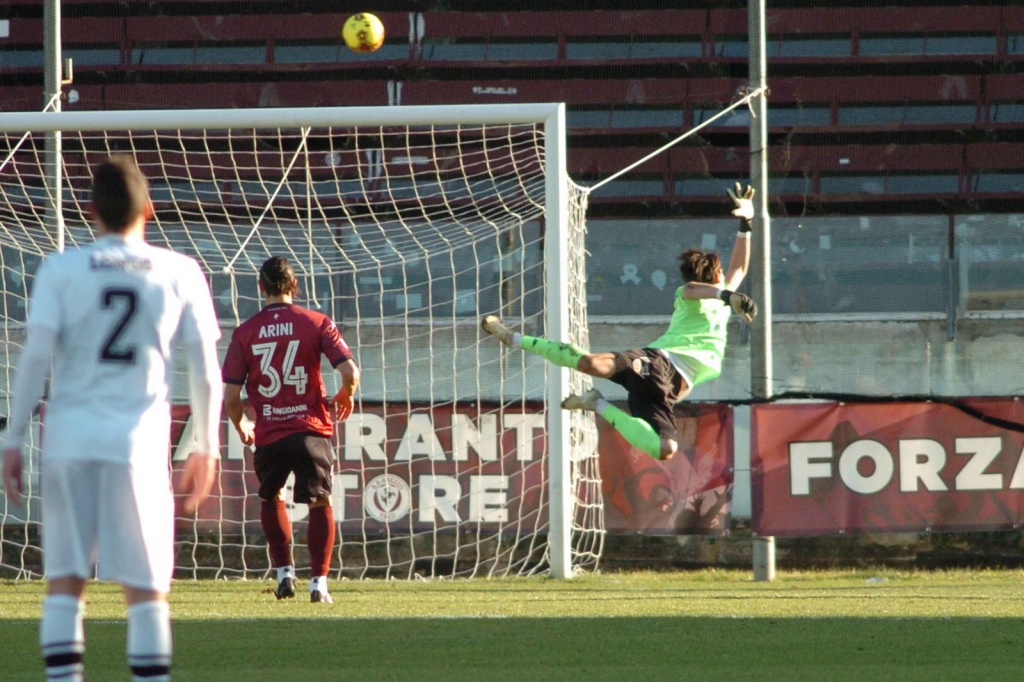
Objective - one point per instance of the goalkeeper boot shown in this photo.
(493, 325)
(587, 401)
(285, 588)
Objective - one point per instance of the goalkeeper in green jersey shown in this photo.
(688, 353)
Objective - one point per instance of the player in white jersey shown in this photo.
(106, 316)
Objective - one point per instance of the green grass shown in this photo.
(837, 625)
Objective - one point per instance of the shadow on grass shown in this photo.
(620, 649)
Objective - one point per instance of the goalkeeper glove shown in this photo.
(743, 197)
(741, 304)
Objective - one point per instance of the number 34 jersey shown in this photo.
(117, 306)
(275, 354)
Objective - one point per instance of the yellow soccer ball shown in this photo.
(363, 32)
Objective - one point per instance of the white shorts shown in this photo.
(109, 516)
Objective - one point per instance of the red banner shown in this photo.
(425, 467)
(414, 467)
(689, 494)
(417, 467)
(827, 468)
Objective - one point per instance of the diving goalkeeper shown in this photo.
(689, 353)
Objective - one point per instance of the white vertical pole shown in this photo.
(764, 559)
(760, 262)
(52, 76)
(556, 326)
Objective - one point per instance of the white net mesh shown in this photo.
(405, 236)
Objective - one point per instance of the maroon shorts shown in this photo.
(309, 455)
(654, 386)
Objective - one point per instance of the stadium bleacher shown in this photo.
(915, 104)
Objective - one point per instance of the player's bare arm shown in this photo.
(29, 386)
(197, 479)
(204, 397)
(739, 262)
(342, 400)
(235, 409)
(13, 484)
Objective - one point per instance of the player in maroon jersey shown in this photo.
(275, 355)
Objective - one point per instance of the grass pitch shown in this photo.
(846, 625)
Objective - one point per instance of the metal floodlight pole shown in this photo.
(52, 77)
(760, 262)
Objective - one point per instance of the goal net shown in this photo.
(405, 225)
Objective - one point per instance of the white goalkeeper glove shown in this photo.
(743, 197)
(741, 304)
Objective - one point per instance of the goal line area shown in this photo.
(405, 225)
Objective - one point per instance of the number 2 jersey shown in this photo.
(275, 354)
(117, 307)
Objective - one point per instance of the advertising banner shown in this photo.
(827, 468)
(415, 466)
(427, 467)
(689, 494)
(424, 468)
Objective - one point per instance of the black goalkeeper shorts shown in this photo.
(654, 386)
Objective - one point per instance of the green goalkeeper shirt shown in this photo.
(695, 338)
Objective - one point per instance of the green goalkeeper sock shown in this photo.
(637, 432)
(561, 354)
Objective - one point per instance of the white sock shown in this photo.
(600, 406)
(149, 641)
(285, 572)
(318, 583)
(517, 340)
(62, 637)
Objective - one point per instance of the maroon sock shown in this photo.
(278, 529)
(320, 539)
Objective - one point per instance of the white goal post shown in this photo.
(405, 224)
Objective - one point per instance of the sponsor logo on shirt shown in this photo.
(270, 411)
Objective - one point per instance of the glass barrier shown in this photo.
(819, 265)
(923, 44)
(93, 57)
(21, 59)
(1006, 112)
(624, 49)
(990, 251)
(998, 182)
(790, 46)
(908, 115)
(633, 188)
(521, 51)
(890, 184)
